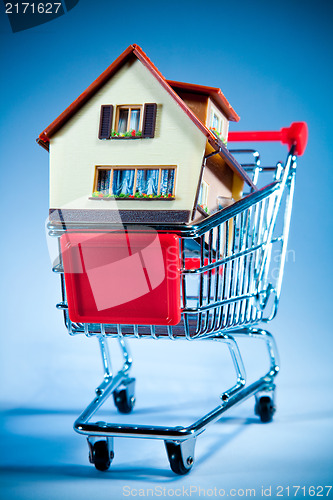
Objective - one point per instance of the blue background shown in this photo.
(273, 62)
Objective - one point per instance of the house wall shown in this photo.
(75, 149)
(219, 178)
(222, 180)
(197, 103)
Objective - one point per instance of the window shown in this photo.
(203, 194)
(128, 121)
(122, 182)
(147, 182)
(135, 182)
(218, 123)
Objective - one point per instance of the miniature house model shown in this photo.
(135, 147)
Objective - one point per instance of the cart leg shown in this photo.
(106, 359)
(126, 354)
(124, 393)
(265, 399)
(239, 367)
(122, 387)
(181, 455)
(124, 397)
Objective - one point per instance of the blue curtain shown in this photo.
(135, 119)
(152, 181)
(103, 183)
(140, 182)
(123, 182)
(122, 123)
(147, 181)
(167, 181)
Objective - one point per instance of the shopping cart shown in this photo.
(231, 267)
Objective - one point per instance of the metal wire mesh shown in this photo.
(227, 277)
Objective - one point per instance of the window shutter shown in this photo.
(105, 122)
(149, 120)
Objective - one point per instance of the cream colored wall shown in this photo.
(75, 149)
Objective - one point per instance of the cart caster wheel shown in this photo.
(124, 398)
(265, 409)
(100, 455)
(180, 463)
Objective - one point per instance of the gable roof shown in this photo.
(213, 92)
(135, 51)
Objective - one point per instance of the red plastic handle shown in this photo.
(296, 134)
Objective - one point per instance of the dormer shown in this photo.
(209, 105)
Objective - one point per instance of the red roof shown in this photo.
(214, 93)
(132, 50)
(136, 51)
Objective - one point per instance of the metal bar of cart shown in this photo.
(239, 394)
